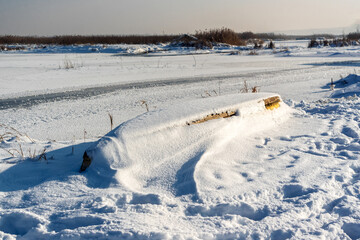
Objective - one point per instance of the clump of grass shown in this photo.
(32, 154)
(144, 103)
(253, 53)
(246, 88)
(7, 133)
(14, 151)
(255, 89)
(209, 94)
(36, 155)
(67, 64)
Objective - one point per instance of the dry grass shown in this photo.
(255, 89)
(42, 155)
(68, 64)
(71, 63)
(12, 151)
(7, 133)
(111, 121)
(37, 155)
(253, 53)
(247, 89)
(337, 42)
(193, 42)
(209, 94)
(144, 103)
(354, 36)
(222, 35)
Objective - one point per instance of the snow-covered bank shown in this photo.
(66, 68)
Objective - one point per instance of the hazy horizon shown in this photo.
(94, 17)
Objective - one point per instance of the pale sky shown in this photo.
(85, 17)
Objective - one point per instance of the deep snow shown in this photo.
(292, 173)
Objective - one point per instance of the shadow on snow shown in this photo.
(60, 165)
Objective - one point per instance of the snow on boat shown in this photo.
(159, 142)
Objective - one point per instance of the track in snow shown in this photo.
(32, 100)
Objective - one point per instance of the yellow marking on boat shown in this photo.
(272, 103)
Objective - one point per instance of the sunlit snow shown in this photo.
(292, 172)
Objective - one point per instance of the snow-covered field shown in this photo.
(288, 173)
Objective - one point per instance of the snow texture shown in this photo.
(287, 173)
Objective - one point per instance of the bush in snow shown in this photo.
(339, 42)
(222, 35)
(313, 43)
(354, 36)
(271, 45)
(191, 41)
(258, 43)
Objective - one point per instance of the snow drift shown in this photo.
(160, 150)
(348, 86)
